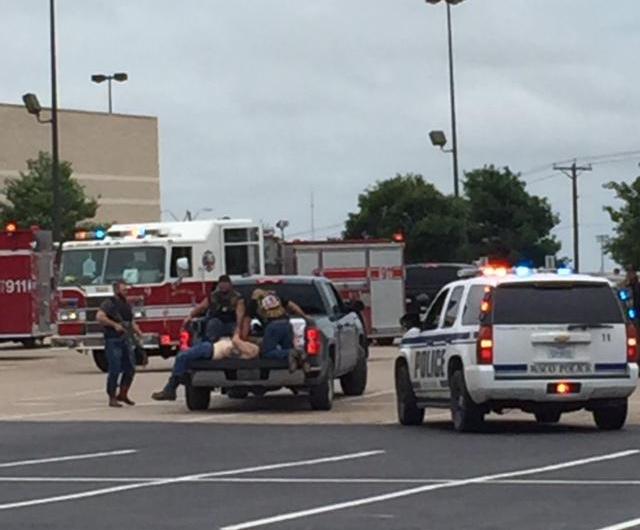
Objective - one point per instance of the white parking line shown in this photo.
(68, 458)
(49, 413)
(633, 523)
(422, 489)
(299, 480)
(208, 417)
(186, 478)
(365, 396)
(59, 396)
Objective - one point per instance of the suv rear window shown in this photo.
(303, 294)
(556, 303)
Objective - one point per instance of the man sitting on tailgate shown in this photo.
(273, 313)
(224, 307)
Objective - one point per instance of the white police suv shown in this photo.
(545, 343)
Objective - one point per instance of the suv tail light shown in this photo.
(485, 345)
(165, 340)
(314, 342)
(632, 343)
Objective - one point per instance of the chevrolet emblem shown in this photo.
(562, 338)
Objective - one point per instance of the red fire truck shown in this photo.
(170, 266)
(371, 271)
(26, 282)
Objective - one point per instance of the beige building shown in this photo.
(114, 156)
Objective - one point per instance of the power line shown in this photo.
(629, 154)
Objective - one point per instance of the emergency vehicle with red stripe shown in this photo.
(369, 271)
(26, 282)
(170, 267)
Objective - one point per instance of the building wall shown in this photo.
(114, 156)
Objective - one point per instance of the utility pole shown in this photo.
(602, 239)
(313, 217)
(572, 172)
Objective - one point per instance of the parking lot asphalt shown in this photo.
(104, 475)
(69, 462)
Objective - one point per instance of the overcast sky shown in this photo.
(262, 101)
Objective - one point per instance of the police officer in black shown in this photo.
(116, 317)
(224, 308)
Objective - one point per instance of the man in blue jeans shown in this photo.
(273, 313)
(225, 308)
(116, 317)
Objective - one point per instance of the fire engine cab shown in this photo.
(170, 267)
(26, 280)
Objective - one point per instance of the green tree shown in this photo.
(29, 198)
(433, 224)
(624, 247)
(505, 221)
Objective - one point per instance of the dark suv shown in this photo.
(335, 343)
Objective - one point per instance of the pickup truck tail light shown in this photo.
(485, 345)
(314, 342)
(632, 343)
(185, 340)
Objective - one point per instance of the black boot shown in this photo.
(168, 393)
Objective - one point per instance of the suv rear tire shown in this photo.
(466, 415)
(355, 382)
(197, 397)
(321, 396)
(408, 411)
(100, 358)
(611, 418)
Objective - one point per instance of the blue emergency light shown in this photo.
(632, 313)
(523, 271)
(623, 294)
(100, 234)
(564, 271)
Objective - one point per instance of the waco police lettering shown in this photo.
(429, 363)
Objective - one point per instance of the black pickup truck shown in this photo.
(335, 342)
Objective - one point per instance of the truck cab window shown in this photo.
(177, 253)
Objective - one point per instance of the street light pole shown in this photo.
(55, 169)
(452, 95)
(110, 96)
(121, 77)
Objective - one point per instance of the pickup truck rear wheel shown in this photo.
(100, 358)
(355, 382)
(408, 411)
(466, 415)
(198, 397)
(611, 418)
(321, 396)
